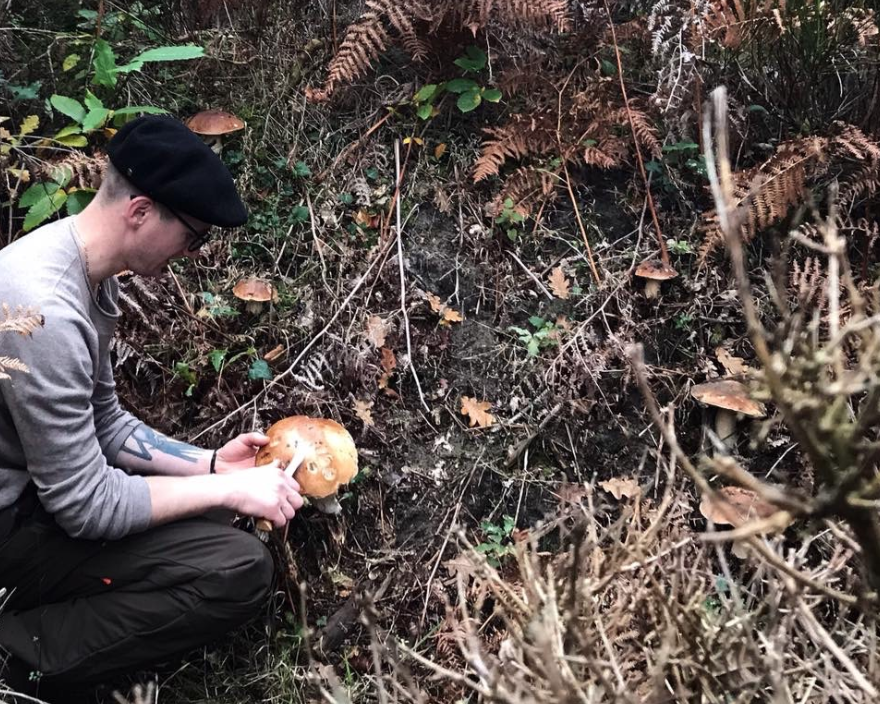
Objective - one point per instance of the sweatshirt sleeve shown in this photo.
(51, 407)
(113, 425)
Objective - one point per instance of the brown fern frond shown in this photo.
(521, 136)
(79, 169)
(551, 15)
(766, 194)
(525, 188)
(364, 42)
(646, 133)
(731, 24)
(23, 321)
(8, 364)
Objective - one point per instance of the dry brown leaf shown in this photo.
(447, 315)
(389, 364)
(362, 411)
(376, 331)
(735, 506)
(620, 488)
(274, 354)
(461, 565)
(559, 284)
(572, 493)
(477, 411)
(733, 365)
(439, 150)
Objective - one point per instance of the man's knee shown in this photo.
(247, 569)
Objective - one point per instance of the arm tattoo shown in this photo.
(144, 441)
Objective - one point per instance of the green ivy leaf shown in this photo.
(138, 110)
(69, 62)
(70, 107)
(217, 357)
(475, 59)
(461, 85)
(104, 64)
(74, 140)
(43, 209)
(426, 93)
(259, 370)
(493, 95)
(425, 111)
(77, 200)
(469, 101)
(95, 118)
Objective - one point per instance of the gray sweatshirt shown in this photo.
(61, 425)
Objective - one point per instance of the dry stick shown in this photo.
(180, 291)
(812, 625)
(664, 254)
(409, 355)
(534, 278)
(449, 532)
(287, 372)
(577, 214)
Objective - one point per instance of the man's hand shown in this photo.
(240, 452)
(268, 491)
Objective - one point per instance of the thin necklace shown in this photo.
(85, 251)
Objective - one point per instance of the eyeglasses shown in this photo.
(199, 238)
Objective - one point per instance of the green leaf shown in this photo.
(68, 106)
(94, 119)
(469, 101)
(139, 109)
(24, 92)
(346, 198)
(92, 101)
(493, 95)
(537, 321)
(104, 64)
(460, 85)
(425, 111)
(426, 93)
(300, 213)
(69, 62)
(63, 176)
(475, 59)
(217, 357)
(74, 140)
(67, 131)
(532, 347)
(43, 209)
(302, 169)
(182, 52)
(680, 147)
(608, 68)
(79, 199)
(37, 192)
(259, 370)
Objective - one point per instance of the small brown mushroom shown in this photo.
(729, 397)
(212, 125)
(256, 292)
(654, 272)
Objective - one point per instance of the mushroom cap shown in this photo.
(330, 454)
(730, 395)
(214, 122)
(254, 289)
(658, 271)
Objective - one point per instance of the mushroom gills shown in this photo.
(327, 504)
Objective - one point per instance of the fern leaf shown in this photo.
(518, 138)
(8, 364)
(23, 321)
(525, 188)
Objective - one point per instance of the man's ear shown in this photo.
(138, 209)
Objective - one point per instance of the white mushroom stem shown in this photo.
(725, 426)
(652, 288)
(328, 504)
(254, 306)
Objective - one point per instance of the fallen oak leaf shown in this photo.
(477, 411)
(559, 284)
(620, 488)
(733, 365)
(447, 315)
(735, 507)
(362, 411)
(376, 331)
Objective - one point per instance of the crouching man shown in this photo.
(105, 554)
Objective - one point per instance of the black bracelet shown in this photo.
(213, 469)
